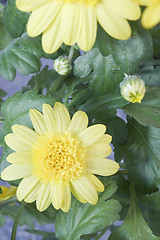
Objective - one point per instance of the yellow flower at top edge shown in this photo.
(75, 21)
(61, 156)
(151, 14)
(7, 192)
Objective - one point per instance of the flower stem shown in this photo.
(14, 229)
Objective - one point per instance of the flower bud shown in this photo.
(62, 65)
(132, 88)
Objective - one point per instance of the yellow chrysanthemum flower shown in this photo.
(58, 158)
(75, 21)
(7, 193)
(151, 14)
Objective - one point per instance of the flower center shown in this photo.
(60, 157)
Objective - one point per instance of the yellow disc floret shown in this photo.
(58, 157)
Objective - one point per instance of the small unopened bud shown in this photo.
(132, 88)
(62, 65)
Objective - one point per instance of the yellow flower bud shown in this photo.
(132, 88)
(7, 193)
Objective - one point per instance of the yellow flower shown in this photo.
(132, 88)
(58, 158)
(151, 14)
(75, 21)
(7, 193)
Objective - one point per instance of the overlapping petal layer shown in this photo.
(76, 21)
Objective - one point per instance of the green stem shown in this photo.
(14, 229)
(71, 52)
(102, 233)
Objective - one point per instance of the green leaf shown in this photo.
(16, 109)
(116, 127)
(85, 218)
(155, 33)
(83, 65)
(14, 19)
(151, 76)
(142, 156)
(108, 103)
(147, 112)
(150, 206)
(6, 151)
(46, 235)
(134, 226)
(122, 51)
(5, 38)
(104, 42)
(42, 80)
(23, 54)
(105, 75)
(2, 220)
(2, 94)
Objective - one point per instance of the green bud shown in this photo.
(132, 88)
(62, 65)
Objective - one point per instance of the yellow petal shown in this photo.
(77, 194)
(96, 182)
(143, 2)
(16, 171)
(88, 32)
(99, 150)
(57, 194)
(106, 138)
(26, 186)
(21, 157)
(29, 5)
(112, 23)
(15, 143)
(71, 22)
(26, 134)
(102, 166)
(151, 16)
(62, 117)
(91, 134)
(125, 8)
(49, 117)
(42, 17)
(52, 36)
(67, 198)
(38, 121)
(78, 123)
(32, 196)
(44, 196)
(86, 189)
